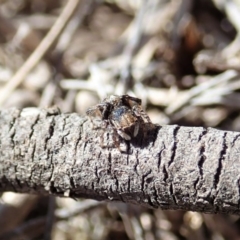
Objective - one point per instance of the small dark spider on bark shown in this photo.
(123, 113)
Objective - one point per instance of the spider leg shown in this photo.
(131, 101)
(116, 141)
(136, 129)
(123, 135)
(107, 132)
(122, 146)
(94, 124)
(138, 111)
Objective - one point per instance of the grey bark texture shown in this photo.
(172, 167)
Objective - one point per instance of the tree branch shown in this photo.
(172, 167)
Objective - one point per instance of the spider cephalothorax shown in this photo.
(124, 113)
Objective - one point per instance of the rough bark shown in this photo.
(172, 167)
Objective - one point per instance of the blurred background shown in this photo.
(181, 57)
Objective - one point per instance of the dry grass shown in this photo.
(181, 57)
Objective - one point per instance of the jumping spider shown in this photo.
(123, 113)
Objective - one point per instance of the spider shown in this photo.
(124, 113)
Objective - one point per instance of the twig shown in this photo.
(73, 25)
(171, 167)
(62, 44)
(28, 230)
(50, 218)
(76, 209)
(195, 91)
(39, 52)
(232, 11)
(131, 46)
